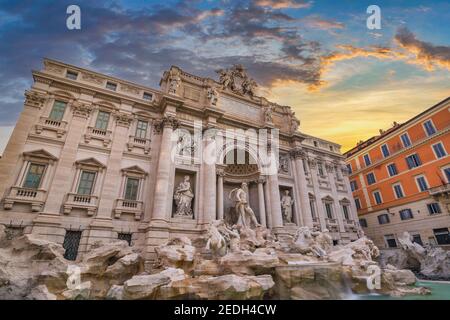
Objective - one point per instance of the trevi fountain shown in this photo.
(237, 258)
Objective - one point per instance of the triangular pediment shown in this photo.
(328, 198)
(41, 153)
(91, 162)
(134, 169)
(344, 200)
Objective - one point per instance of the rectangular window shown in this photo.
(422, 183)
(353, 185)
(371, 178)
(429, 128)
(413, 161)
(58, 109)
(320, 168)
(447, 174)
(406, 214)
(126, 237)
(377, 197)
(349, 168)
(383, 218)
(439, 150)
(102, 120)
(358, 203)
(71, 75)
(385, 150)
(363, 222)
(442, 236)
(367, 160)
(131, 189)
(147, 96)
(111, 86)
(141, 129)
(345, 212)
(398, 191)
(392, 169)
(434, 208)
(34, 176)
(329, 210)
(390, 241)
(71, 244)
(417, 239)
(405, 140)
(86, 183)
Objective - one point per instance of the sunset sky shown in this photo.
(343, 80)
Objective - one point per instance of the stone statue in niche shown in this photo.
(268, 114)
(284, 165)
(174, 81)
(286, 207)
(183, 199)
(246, 216)
(212, 96)
(186, 145)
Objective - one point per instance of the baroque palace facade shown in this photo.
(94, 158)
(401, 180)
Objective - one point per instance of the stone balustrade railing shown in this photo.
(129, 206)
(81, 201)
(35, 197)
(59, 126)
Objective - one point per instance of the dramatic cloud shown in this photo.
(282, 4)
(275, 40)
(425, 54)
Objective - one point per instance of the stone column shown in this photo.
(268, 205)
(274, 192)
(162, 193)
(111, 181)
(61, 184)
(320, 210)
(220, 175)
(353, 210)
(34, 101)
(209, 180)
(261, 202)
(337, 208)
(298, 155)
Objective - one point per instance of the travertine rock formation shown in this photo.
(433, 262)
(35, 269)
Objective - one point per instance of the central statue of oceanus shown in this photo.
(245, 215)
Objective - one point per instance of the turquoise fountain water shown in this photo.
(440, 290)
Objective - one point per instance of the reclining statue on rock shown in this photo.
(305, 243)
(216, 241)
(413, 248)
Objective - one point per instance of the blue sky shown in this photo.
(316, 56)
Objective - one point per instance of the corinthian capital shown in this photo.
(297, 153)
(34, 99)
(82, 110)
(123, 119)
(166, 121)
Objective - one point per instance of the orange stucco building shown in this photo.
(401, 179)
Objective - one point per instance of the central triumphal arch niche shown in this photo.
(240, 166)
